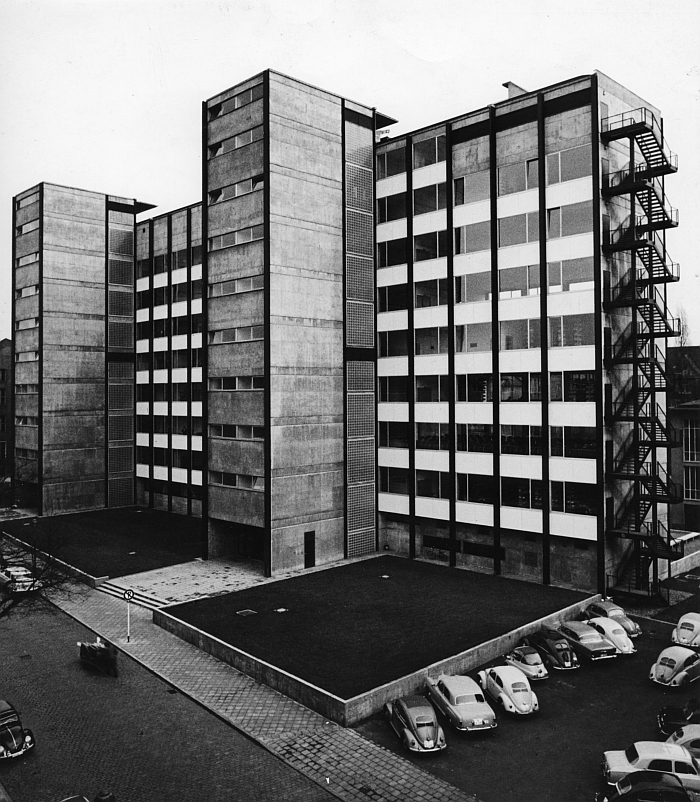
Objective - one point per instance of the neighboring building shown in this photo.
(684, 417)
(554, 470)
(73, 312)
(5, 421)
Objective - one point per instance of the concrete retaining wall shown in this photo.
(349, 711)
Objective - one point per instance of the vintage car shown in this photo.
(586, 642)
(652, 756)
(670, 718)
(528, 660)
(689, 737)
(509, 688)
(675, 666)
(413, 720)
(645, 786)
(553, 648)
(15, 740)
(610, 629)
(99, 655)
(462, 703)
(20, 579)
(687, 631)
(608, 609)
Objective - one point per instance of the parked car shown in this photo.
(610, 629)
(21, 579)
(608, 609)
(413, 720)
(586, 642)
(553, 647)
(528, 660)
(675, 666)
(671, 717)
(687, 631)
(462, 703)
(15, 740)
(509, 688)
(689, 737)
(652, 756)
(645, 786)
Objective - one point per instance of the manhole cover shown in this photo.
(245, 612)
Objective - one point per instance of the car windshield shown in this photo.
(666, 661)
(519, 687)
(631, 754)
(8, 718)
(532, 659)
(469, 698)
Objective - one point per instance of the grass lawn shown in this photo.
(101, 542)
(348, 630)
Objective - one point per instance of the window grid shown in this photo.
(360, 465)
(691, 440)
(359, 279)
(360, 376)
(691, 485)
(360, 324)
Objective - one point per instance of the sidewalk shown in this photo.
(338, 759)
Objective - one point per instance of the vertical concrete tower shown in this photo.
(288, 210)
(73, 312)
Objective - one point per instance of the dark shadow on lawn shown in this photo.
(348, 630)
(101, 542)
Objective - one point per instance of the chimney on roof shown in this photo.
(514, 90)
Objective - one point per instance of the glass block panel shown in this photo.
(359, 324)
(359, 278)
(360, 376)
(361, 415)
(360, 465)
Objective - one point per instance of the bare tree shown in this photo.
(37, 549)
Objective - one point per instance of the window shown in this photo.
(26, 228)
(392, 298)
(432, 388)
(237, 189)
(431, 341)
(241, 334)
(515, 492)
(392, 252)
(536, 440)
(473, 288)
(430, 246)
(580, 499)
(26, 420)
(394, 434)
(433, 484)
(691, 483)
(568, 165)
(236, 285)
(518, 229)
(393, 343)
(479, 387)
(26, 292)
(556, 447)
(433, 436)
(236, 431)
(429, 151)
(515, 335)
(393, 480)
(571, 274)
(571, 330)
(566, 221)
(235, 142)
(429, 199)
(518, 177)
(472, 188)
(514, 387)
(393, 388)
(237, 383)
(235, 102)
(515, 440)
(27, 323)
(239, 480)
(29, 259)
(431, 293)
(27, 356)
(472, 338)
(27, 200)
(691, 440)
(473, 237)
(392, 207)
(579, 385)
(26, 389)
(475, 487)
(557, 496)
(391, 162)
(479, 438)
(239, 237)
(580, 442)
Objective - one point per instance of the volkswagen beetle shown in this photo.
(509, 687)
(15, 740)
(687, 631)
(413, 720)
(676, 666)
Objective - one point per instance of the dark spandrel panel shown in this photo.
(121, 271)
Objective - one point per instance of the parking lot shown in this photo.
(555, 755)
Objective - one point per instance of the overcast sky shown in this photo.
(106, 94)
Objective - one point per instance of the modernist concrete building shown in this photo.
(6, 427)
(512, 371)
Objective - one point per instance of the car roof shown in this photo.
(417, 702)
(577, 626)
(654, 779)
(509, 673)
(657, 748)
(525, 650)
(695, 617)
(459, 684)
(676, 652)
(606, 623)
(607, 605)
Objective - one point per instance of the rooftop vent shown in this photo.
(514, 90)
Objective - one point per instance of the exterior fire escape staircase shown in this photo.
(640, 481)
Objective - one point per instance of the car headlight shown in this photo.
(27, 739)
(2, 750)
